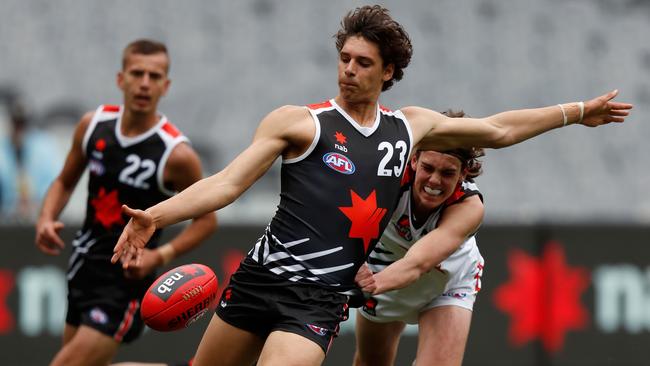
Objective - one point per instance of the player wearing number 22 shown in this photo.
(135, 156)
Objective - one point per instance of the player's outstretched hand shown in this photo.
(135, 236)
(602, 110)
(47, 237)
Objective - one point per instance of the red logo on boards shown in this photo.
(542, 297)
(6, 285)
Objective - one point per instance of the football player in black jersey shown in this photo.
(340, 183)
(134, 156)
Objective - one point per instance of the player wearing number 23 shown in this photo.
(342, 163)
(134, 156)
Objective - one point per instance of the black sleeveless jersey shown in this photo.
(336, 198)
(122, 170)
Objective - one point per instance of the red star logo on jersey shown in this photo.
(543, 297)
(100, 145)
(365, 217)
(108, 209)
(340, 138)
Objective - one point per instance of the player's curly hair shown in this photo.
(468, 156)
(374, 23)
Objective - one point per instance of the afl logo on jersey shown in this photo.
(339, 162)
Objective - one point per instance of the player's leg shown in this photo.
(68, 332)
(443, 335)
(86, 348)
(376, 343)
(224, 344)
(290, 349)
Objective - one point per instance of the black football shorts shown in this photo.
(101, 298)
(261, 302)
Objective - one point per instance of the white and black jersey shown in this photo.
(454, 282)
(336, 198)
(402, 233)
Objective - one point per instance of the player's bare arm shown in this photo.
(48, 226)
(437, 132)
(182, 169)
(287, 131)
(457, 223)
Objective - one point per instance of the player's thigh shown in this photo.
(87, 347)
(223, 344)
(289, 349)
(376, 342)
(442, 335)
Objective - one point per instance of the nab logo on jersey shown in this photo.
(339, 162)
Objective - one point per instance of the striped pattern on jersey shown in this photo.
(336, 198)
(123, 170)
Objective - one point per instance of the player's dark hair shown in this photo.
(144, 47)
(375, 24)
(468, 156)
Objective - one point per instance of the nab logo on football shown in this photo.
(339, 162)
(167, 286)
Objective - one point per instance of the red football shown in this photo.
(179, 297)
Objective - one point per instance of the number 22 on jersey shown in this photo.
(137, 171)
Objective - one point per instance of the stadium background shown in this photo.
(565, 235)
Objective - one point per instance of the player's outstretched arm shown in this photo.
(438, 132)
(277, 133)
(183, 168)
(458, 222)
(58, 195)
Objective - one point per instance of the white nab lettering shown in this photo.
(167, 284)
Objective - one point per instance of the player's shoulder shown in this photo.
(417, 113)
(170, 130)
(85, 121)
(101, 113)
(325, 105)
(468, 189)
(290, 111)
(86, 118)
(182, 153)
(287, 116)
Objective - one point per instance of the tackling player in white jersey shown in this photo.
(427, 265)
